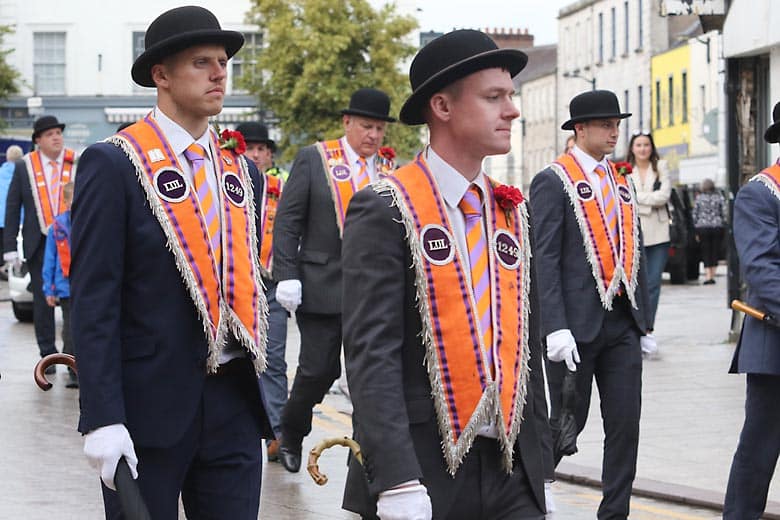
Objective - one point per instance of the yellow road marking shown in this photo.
(329, 426)
(656, 511)
(335, 415)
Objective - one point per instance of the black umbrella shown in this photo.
(564, 427)
(133, 505)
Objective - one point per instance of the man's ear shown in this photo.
(159, 75)
(440, 106)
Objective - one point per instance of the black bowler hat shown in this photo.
(594, 104)
(772, 134)
(449, 58)
(371, 103)
(44, 123)
(176, 30)
(256, 133)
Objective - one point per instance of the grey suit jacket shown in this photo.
(757, 237)
(307, 246)
(567, 291)
(20, 196)
(394, 419)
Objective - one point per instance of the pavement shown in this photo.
(691, 418)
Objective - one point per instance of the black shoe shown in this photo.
(51, 369)
(711, 281)
(290, 459)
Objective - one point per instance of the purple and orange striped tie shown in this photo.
(196, 154)
(54, 189)
(471, 207)
(608, 200)
(362, 178)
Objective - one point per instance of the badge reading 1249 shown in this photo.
(234, 189)
(507, 249)
(625, 194)
(170, 185)
(437, 244)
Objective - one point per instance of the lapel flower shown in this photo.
(385, 161)
(508, 198)
(387, 152)
(273, 192)
(624, 168)
(232, 140)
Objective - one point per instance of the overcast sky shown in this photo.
(538, 16)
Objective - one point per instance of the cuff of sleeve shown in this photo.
(10, 257)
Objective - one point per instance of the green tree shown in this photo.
(8, 75)
(316, 53)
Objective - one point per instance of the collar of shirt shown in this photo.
(452, 184)
(587, 162)
(352, 159)
(179, 138)
(59, 159)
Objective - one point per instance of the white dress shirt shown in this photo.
(48, 173)
(352, 159)
(453, 186)
(589, 164)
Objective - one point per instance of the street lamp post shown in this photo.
(576, 74)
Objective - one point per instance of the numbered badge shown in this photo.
(507, 249)
(341, 172)
(625, 194)
(170, 185)
(234, 189)
(584, 190)
(437, 244)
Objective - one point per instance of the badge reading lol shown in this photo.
(170, 185)
(437, 244)
(340, 172)
(584, 190)
(507, 249)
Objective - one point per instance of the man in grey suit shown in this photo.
(756, 225)
(592, 290)
(307, 253)
(441, 319)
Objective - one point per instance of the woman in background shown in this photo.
(652, 189)
(709, 217)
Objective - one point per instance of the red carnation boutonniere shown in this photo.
(273, 192)
(624, 168)
(508, 198)
(385, 160)
(232, 140)
(387, 152)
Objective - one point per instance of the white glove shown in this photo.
(11, 257)
(104, 447)
(648, 344)
(549, 502)
(410, 502)
(562, 347)
(288, 294)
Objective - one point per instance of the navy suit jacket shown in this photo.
(20, 196)
(757, 237)
(567, 291)
(139, 342)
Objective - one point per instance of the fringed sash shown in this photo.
(235, 300)
(62, 241)
(610, 267)
(465, 394)
(271, 194)
(44, 206)
(770, 177)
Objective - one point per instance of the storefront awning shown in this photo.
(227, 116)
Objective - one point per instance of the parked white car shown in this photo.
(19, 289)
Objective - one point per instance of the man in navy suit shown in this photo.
(168, 312)
(756, 230)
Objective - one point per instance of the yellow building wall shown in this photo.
(670, 111)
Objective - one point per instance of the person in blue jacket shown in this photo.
(56, 271)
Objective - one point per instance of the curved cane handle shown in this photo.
(312, 467)
(739, 305)
(47, 361)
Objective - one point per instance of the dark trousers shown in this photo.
(756, 456)
(319, 366)
(710, 245)
(216, 466)
(43, 315)
(615, 359)
(488, 493)
(275, 376)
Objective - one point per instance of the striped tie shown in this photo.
(54, 191)
(608, 200)
(196, 154)
(471, 207)
(362, 178)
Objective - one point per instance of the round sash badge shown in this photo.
(437, 244)
(507, 249)
(234, 189)
(625, 194)
(170, 185)
(584, 190)
(340, 172)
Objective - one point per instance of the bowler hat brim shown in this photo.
(569, 125)
(511, 59)
(41, 130)
(142, 68)
(368, 114)
(772, 134)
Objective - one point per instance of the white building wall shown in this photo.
(703, 95)
(98, 39)
(538, 110)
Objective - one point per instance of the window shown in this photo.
(138, 49)
(671, 101)
(658, 104)
(625, 19)
(626, 108)
(640, 108)
(613, 35)
(245, 59)
(601, 37)
(684, 97)
(640, 28)
(49, 63)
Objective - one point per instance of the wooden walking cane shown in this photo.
(312, 467)
(739, 305)
(130, 499)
